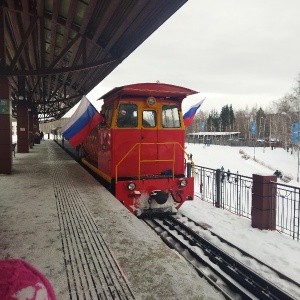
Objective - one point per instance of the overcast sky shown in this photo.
(235, 52)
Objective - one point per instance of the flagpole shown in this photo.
(298, 142)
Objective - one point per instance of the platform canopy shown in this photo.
(55, 51)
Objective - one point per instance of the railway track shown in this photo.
(230, 276)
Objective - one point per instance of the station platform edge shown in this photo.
(58, 218)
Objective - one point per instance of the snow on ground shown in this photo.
(265, 163)
(276, 250)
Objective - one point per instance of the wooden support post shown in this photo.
(22, 127)
(5, 127)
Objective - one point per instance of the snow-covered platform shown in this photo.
(58, 218)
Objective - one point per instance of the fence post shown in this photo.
(218, 188)
(263, 202)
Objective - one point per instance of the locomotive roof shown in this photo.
(150, 89)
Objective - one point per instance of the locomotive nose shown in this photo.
(159, 196)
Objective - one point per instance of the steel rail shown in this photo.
(216, 273)
(280, 275)
(239, 278)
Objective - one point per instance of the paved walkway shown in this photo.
(54, 215)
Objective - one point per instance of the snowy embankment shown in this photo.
(247, 160)
(277, 250)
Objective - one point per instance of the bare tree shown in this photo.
(275, 122)
(242, 122)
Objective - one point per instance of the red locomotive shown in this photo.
(139, 149)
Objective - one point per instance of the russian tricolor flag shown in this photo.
(188, 117)
(85, 118)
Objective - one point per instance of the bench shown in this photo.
(14, 148)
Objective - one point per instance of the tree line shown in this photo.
(275, 122)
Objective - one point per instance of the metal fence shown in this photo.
(230, 191)
(287, 209)
(233, 192)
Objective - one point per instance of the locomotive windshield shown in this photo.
(170, 116)
(149, 118)
(127, 115)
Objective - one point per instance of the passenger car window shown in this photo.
(170, 116)
(127, 115)
(149, 118)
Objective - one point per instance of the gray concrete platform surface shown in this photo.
(58, 218)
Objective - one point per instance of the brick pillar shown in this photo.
(36, 124)
(30, 128)
(22, 127)
(31, 120)
(263, 202)
(22, 117)
(5, 127)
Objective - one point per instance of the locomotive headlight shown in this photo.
(151, 101)
(183, 183)
(131, 186)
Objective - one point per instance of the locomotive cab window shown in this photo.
(107, 113)
(127, 115)
(149, 118)
(170, 116)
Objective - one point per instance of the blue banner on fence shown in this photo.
(253, 128)
(295, 132)
(202, 126)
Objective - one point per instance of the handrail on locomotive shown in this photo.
(154, 160)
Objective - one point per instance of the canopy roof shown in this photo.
(150, 89)
(53, 51)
